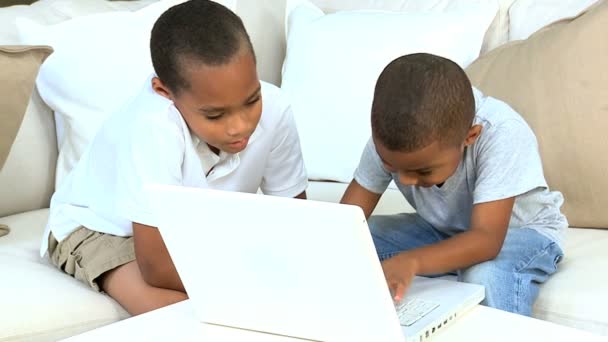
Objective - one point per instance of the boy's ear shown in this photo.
(472, 135)
(161, 89)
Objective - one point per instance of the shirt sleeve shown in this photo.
(370, 173)
(285, 174)
(508, 162)
(153, 156)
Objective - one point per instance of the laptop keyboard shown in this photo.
(410, 310)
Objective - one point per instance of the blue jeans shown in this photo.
(512, 279)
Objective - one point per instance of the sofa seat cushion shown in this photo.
(577, 295)
(47, 305)
(39, 303)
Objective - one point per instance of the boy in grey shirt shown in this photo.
(470, 167)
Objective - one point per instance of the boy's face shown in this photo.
(224, 103)
(428, 166)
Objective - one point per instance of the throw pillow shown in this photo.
(333, 61)
(496, 35)
(4, 229)
(528, 16)
(18, 69)
(25, 176)
(558, 80)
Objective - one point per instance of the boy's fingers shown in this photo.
(399, 290)
(392, 287)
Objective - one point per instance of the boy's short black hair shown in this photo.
(196, 31)
(422, 98)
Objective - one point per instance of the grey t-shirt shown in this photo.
(504, 162)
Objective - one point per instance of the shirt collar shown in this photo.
(217, 166)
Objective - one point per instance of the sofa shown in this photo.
(39, 303)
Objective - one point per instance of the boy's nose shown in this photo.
(237, 126)
(407, 180)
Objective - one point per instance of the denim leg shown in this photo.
(393, 234)
(512, 279)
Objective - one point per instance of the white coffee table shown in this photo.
(178, 323)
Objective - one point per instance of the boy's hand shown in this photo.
(399, 272)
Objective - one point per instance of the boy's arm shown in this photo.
(153, 259)
(355, 194)
(482, 242)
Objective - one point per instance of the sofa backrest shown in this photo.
(264, 19)
(27, 178)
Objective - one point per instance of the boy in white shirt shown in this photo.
(198, 122)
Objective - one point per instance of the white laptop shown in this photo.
(297, 268)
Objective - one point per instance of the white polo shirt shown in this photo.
(149, 142)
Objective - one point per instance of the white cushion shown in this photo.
(528, 16)
(577, 295)
(99, 62)
(39, 302)
(333, 62)
(497, 34)
(264, 21)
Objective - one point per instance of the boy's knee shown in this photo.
(380, 229)
(383, 225)
(505, 288)
(485, 273)
(376, 223)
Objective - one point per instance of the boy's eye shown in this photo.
(214, 116)
(253, 101)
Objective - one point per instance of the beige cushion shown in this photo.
(7, 3)
(27, 176)
(4, 229)
(558, 80)
(18, 69)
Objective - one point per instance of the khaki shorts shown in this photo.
(86, 254)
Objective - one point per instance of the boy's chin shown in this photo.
(232, 149)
